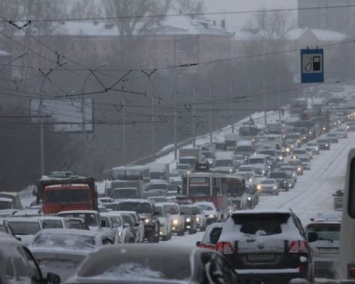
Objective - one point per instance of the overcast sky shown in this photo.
(238, 20)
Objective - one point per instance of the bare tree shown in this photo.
(271, 26)
(190, 6)
(134, 19)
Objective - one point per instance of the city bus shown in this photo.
(213, 187)
(347, 231)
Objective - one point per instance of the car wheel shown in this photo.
(151, 238)
(182, 232)
(165, 238)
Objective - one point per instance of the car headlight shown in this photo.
(258, 186)
(275, 187)
(147, 221)
(299, 168)
(175, 221)
(250, 180)
(197, 219)
(326, 145)
(211, 216)
(249, 198)
(287, 149)
(188, 219)
(230, 170)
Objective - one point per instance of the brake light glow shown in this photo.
(225, 247)
(298, 247)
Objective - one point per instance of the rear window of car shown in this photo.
(325, 231)
(265, 223)
(68, 241)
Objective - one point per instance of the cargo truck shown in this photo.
(190, 156)
(62, 191)
(159, 172)
(122, 189)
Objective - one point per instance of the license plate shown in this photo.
(261, 256)
(328, 250)
(55, 263)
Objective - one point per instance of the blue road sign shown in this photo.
(312, 67)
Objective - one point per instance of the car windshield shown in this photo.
(139, 207)
(196, 210)
(206, 207)
(24, 228)
(277, 175)
(185, 210)
(124, 193)
(52, 224)
(5, 204)
(257, 161)
(224, 163)
(171, 209)
(67, 196)
(268, 181)
(89, 218)
(61, 240)
(245, 169)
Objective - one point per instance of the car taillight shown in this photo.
(298, 247)
(203, 246)
(224, 247)
(211, 247)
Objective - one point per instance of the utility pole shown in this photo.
(41, 136)
(231, 105)
(193, 119)
(264, 99)
(153, 128)
(123, 131)
(83, 133)
(278, 96)
(249, 97)
(175, 116)
(210, 103)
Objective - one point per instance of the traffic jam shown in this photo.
(71, 227)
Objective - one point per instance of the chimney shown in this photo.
(223, 24)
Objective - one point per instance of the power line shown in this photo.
(192, 15)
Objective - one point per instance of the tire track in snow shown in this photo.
(316, 191)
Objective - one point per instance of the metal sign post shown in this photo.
(312, 66)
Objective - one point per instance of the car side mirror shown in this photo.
(312, 237)
(53, 278)
(198, 243)
(19, 239)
